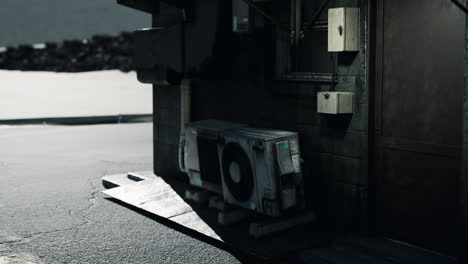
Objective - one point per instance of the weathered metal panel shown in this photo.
(420, 203)
(419, 97)
(464, 235)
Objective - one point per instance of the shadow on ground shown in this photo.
(282, 247)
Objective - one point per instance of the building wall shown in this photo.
(416, 112)
(238, 84)
(464, 177)
(334, 148)
(34, 21)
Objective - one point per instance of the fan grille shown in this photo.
(242, 187)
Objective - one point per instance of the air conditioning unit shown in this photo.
(257, 169)
(201, 158)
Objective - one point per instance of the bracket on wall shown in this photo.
(290, 48)
(308, 77)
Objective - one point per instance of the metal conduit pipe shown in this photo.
(185, 113)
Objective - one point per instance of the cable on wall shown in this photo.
(460, 5)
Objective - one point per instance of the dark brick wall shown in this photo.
(334, 148)
(166, 106)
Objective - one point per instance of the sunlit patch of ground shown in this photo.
(9, 257)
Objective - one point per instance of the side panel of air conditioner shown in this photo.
(266, 183)
(263, 172)
(191, 150)
(191, 162)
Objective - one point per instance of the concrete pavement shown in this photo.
(51, 208)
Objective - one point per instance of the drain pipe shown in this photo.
(185, 106)
(185, 98)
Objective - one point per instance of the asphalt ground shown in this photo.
(52, 210)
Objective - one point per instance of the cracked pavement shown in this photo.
(52, 210)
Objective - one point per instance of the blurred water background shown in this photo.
(39, 21)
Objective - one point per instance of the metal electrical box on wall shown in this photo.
(343, 29)
(335, 102)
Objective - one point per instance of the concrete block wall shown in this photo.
(334, 148)
(166, 131)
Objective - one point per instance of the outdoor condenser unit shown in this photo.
(201, 153)
(257, 169)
